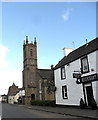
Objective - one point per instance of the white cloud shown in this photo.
(7, 74)
(7, 78)
(66, 14)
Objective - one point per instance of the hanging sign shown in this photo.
(89, 78)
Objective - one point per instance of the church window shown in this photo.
(31, 52)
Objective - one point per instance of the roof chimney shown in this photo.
(67, 51)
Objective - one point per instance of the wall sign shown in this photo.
(76, 75)
(89, 78)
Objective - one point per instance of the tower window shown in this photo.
(31, 53)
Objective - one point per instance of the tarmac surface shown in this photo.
(73, 111)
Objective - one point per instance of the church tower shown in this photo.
(30, 70)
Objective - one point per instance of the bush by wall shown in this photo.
(43, 102)
(93, 104)
(82, 103)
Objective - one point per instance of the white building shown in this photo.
(13, 98)
(83, 64)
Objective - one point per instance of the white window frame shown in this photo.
(63, 75)
(64, 92)
(84, 65)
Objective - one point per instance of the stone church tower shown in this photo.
(29, 70)
(37, 83)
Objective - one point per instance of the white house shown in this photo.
(13, 98)
(76, 75)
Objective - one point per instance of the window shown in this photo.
(64, 92)
(84, 65)
(63, 73)
(31, 53)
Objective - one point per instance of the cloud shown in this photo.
(3, 53)
(8, 75)
(66, 14)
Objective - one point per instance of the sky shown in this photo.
(55, 25)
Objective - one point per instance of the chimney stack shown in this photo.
(67, 51)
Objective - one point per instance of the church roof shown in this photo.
(78, 53)
(46, 73)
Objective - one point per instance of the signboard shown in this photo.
(89, 78)
(76, 75)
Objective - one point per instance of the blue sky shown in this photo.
(55, 25)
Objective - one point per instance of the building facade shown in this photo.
(34, 80)
(76, 76)
(12, 91)
(14, 94)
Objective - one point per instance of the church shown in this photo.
(37, 83)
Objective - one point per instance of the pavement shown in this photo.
(73, 111)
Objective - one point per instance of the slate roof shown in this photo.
(46, 73)
(78, 53)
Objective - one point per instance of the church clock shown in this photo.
(32, 61)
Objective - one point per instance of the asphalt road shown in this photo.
(16, 111)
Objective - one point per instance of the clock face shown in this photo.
(31, 61)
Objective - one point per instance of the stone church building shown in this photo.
(37, 83)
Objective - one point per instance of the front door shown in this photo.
(89, 92)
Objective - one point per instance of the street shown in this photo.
(17, 111)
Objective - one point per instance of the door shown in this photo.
(89, 92)
(32, 96)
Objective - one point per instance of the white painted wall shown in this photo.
(74, 90)
(11, 99)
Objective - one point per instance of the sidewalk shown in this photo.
(73, 111)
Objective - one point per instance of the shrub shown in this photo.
(82, 104)
(93, 103)
(43, 102)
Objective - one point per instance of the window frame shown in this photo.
(63, 74)
(64, 92)
(82, 68)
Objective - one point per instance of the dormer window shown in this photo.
(84, 65)
(63, 76)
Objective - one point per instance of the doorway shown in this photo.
(89, 93)
(32, 96)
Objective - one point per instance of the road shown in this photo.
(16, 111)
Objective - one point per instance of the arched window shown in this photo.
(31, 52)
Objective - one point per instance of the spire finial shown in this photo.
(26, 39)
(35, 40)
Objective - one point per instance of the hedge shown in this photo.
(43, 102)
